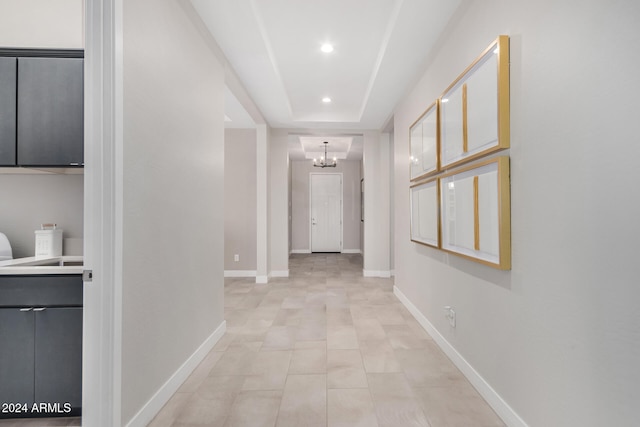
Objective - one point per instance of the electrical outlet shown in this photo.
(450, 314)
(236, 257)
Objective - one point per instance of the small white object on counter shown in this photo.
(48, 241)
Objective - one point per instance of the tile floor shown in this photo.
(324, 347)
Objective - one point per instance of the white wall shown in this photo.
(240, 199)
(172, 209)
(375, 165)
(29, 200)
(300, 203)
(279, 204)
(42, 23)
(557, 337)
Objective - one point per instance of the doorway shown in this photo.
(325, 196)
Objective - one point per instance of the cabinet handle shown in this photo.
(24, 310)
(40, 309)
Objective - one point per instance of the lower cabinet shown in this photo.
(40, 361)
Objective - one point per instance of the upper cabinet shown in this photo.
(8, 87)
(48, 109)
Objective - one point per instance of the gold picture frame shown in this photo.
(475, 218)
(425, 213)
(424, 144)
(474, 118)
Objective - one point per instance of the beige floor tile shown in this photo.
(345, 369)
(457, 406)
(311, 330)
(170, 410)
(378, 356)
(288, 317)
(280, 338)
(309, 361)
(362, 311)
(200, 373)
(428, 367)
(268, 371)
(255, 409)
(304, 402)
(404, 337)
(350, 408)
(390, 316)
(339, 317)
(267, 314)
(294, 302)
(236, 360)
(211, 404)
(369, 329)
(394, 401)
(310, 344)
(342, 338)
(250, 301)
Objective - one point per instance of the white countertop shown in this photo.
(68, 264)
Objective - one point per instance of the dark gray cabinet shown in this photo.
(41, 107)
(58, 356)
(50, 112)
(41, 343)
(17, 358)
(8, 94)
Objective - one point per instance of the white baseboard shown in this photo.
(262, 279)
(376, 273)
(351, 251)
(239, 273)
(300, 251)
(279, 273)
(393, 273)
(504, 411)
(168, 389)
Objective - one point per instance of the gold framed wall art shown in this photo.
(475, 213)
(474, 109)
(425, 215)
(424, 144)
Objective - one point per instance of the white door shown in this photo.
(326, 212)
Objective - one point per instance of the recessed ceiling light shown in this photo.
(327, 48)
(326, 100)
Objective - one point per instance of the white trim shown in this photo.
(240, 273)
(504, 411)
(393, 273)
(377, 273)
(168, 389)
(102, 299)
(279, 273)
(300, 251)
(351, 251)
(262, 279)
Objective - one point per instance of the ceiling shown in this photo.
(274, 46)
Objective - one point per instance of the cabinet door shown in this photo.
(16, 356)
(8, 87)
(58, 360)
(50, 112)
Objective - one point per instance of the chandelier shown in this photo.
(324, 161)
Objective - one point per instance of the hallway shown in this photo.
(324, 347)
